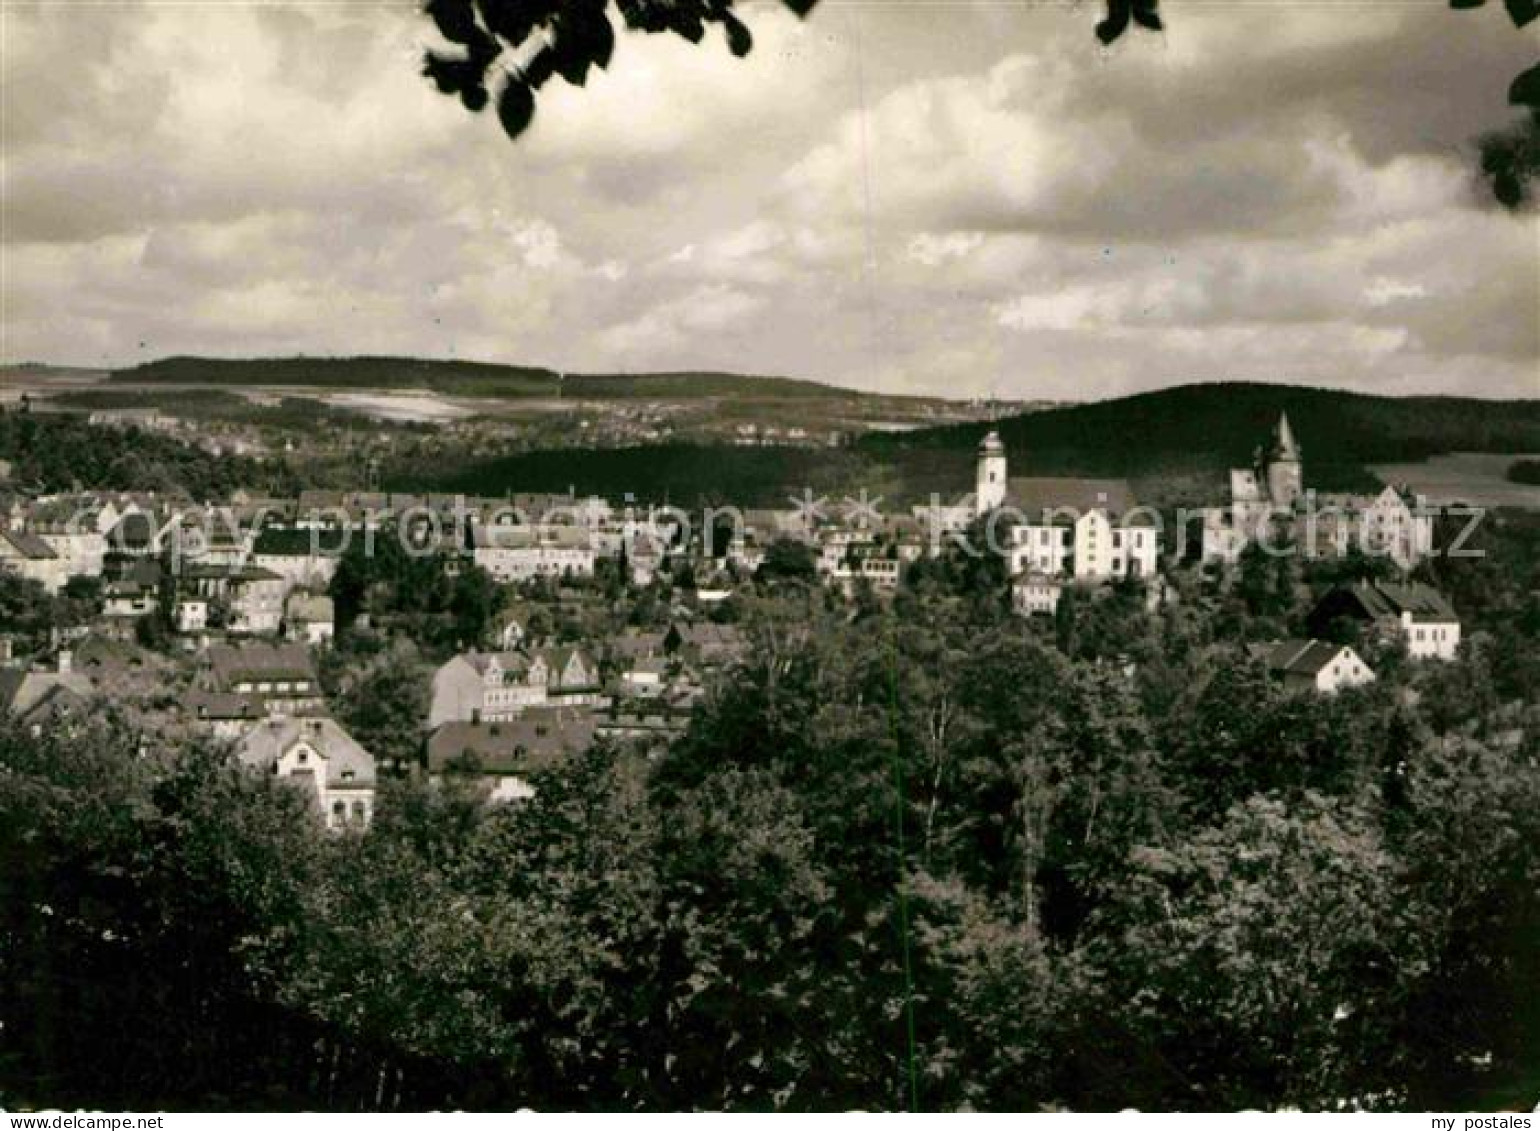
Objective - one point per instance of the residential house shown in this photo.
(705, 644)
(79, 544)
(572, 676)
(33, 696)
(653, 722)
(321, 758)
(309, 618)
(1417, 614)
(1087, 530)
(281, 676)
(486, 686)
(507, 753)
(1315, 665)
(146, 419)
(223, 715)
(644, 676)
(253, 595)
(1036, 593)
(133, 591)
(305, 558)
(27, 555)
(191, 613)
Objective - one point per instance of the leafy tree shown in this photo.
(62, 452)
(383, 703)
(164, 893)
(997, 1003)
(788, 559)
(29, 615)
(1470, 884)
(1242, 961)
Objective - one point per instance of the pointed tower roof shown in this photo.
(1284, 444)
(991, 444)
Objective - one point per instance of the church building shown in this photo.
(1268, 500)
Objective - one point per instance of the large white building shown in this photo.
(495, 686)
(518, 553)
(1268, 501)
(1066, 529)
(1266, 492)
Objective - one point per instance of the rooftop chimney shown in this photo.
(66, 661)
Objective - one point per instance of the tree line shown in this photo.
(909, 852)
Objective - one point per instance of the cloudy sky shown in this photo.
(929, 196)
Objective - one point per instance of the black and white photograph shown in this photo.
(752, 556)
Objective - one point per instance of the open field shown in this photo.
(1476, 478)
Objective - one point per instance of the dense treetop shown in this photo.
(1104, 862)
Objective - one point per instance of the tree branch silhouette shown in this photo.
(506, 50)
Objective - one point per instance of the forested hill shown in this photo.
(462, 377)
(1195, 430)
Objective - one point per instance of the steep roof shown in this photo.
(516, 662)
(1390, 599)
(223, 706)
(559, 656)
(310, 609)
(529, 537)
(107, 656)
(537, 739)
(280, 541)
(231, 664)
(347, 763)
(635, 642)
(28, 545)
(1300, 657)
(21, 691)
(1036, 495)
(1284, 444)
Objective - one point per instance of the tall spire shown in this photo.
(1284, 444)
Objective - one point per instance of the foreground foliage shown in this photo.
(918, 853)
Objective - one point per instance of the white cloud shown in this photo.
(932, 249)
(662, 335)
(1255, 194)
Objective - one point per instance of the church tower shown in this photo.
(1285, 474)
(989, 487)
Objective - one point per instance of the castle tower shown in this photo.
(989, 486)
(1285, 473)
